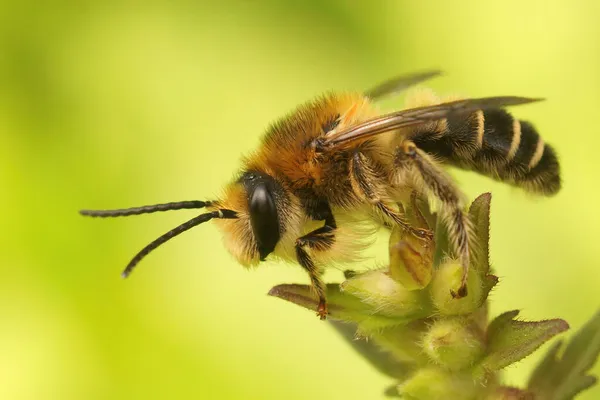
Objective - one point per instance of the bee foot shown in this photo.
(462, 292)
(322, 310)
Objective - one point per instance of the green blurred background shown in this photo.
(110, 104)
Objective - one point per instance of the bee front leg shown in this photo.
(319, 240)
(368, 183)
(440, 185)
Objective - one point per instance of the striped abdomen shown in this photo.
(494, 143)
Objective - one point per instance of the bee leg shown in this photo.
(438, 183)
(368, 185)
(320, 239)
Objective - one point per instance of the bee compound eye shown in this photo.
(264, 219)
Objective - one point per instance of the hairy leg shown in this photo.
(367, 183)
(440, 185)
(320, 239)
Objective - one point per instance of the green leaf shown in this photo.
(342, 306)
(487, 284)
(510, 340)
(479, 213)
(380, 359)
(480, 217)
(403, 342)
(562, 377)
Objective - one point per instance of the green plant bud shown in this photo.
(436, 384)
(388, 297)
(454, 343)
(402, 342)
(411, 259)
(446, 279)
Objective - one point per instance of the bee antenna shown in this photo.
(124, 212)
(223, 213)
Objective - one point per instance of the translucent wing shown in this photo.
(416, 116)
(399, 83)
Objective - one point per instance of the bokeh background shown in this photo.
(111, 104)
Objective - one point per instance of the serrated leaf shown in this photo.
(342, 306)
(563, 377)
(510, 340)
(479, 212)
(487, 284)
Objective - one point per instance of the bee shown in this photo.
(338, 156)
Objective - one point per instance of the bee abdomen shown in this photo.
(494, 143)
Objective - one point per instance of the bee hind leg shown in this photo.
(368, 185)
(320, 239)
(439, 184)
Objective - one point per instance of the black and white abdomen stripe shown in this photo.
(494, 143)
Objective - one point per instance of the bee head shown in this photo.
(261, 204)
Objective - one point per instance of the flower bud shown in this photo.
(402, 342)
(386, 296)
(446, 280)
(436, 384)
(454, 343)
(411, 259)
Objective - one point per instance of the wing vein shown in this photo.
(416, 116)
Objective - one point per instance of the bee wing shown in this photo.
(420, 115)
(399, 83)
